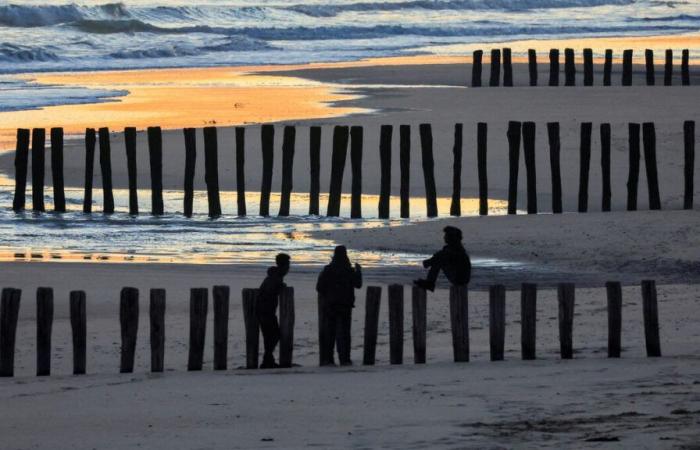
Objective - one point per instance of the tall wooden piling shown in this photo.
(267, 138)
(287, 318)
(607, 68)
(649, 60)
(9, 313)
(288, 141)
(668, 68)
(587, 67)
(372, 304)
(569, 67)
(106, 171)
(130, 144)
(507, 68)
(190, 163)
(456, 204)
(689, 166)
(211, 171)
(242, 211)
(532, 66)
(554, 67)
(385, 134)
(495, 78)
(497, 321)
(585, 165)
(420, 323)
(78, 324)
(129, 324)
(155, 153)
(405, 164)
(651, 318)
(220, 295)
(633, 176)
(649, 140)
(340, 151)
(513, 135)
(38, 161)
(565, 294)
(477, 58)
(685, 68)
(21, 162)
(90, 140)
(252, 328)
(396, 324)
(530, 168)
(482, 172)
(459, 320)
(356, 141)
(605, 145)
(156, 312)
(614, 295)
(627, 68)
(314, 169)
(44, 325)
(554, 163)
(198, 327)
(59, 196)
(528, 320)
(426, 140)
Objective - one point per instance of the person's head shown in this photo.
(340, 256)
(282, 261)
(453, 235)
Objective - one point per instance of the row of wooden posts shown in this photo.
(570, 67)
(459, 318)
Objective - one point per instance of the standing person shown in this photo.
(266, 307)
(453, 260)
(337, 283)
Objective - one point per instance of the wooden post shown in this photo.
(157, 320)
(106, 171)
(340, 151)
(287, 317)
(325, 354)
(566, 293)
(507, 68)
(240, 172)
(38, 157)
(649, 139)
(459, 319)
(356, 138)
(685, 67)
(129, 323)
(252, 328)
(198, 327)
(267, 138)
(482, 172)
(605, 143)
(190, 163)
(514, 161)
(59, 196)
(372, 303)
(476, 67)
(405, 163)
(585, 165)
(426, 140)
(689, 167)
(554, 67)
(532, 65)
(633, 177)
(587, 67)
(221, 295)
(607, 68)
(614, 291)
(211, 171)
(385, 134)
(21, 161)
(569, 67)
(651, 318)
(495, 68)
(456, 205)
(554, 151)
(420, 324)
(90, 140)
(9, 313)
(44, 323)
(396, 324)
(668, 68)
(530, 168)
(497, 321)
(130, 144)
(649, 58)
(627, 68)
(528, 320)
(288, 142)
(315, 169)
(78, 324)
(155, 153)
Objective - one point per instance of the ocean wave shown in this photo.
(22, 53)
(677, 18)
(231, 44)
(48, 15)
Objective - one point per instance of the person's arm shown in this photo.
(357, 282)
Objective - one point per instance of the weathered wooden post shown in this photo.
(129, 323)
(220, 295)
(356, 141)
(456, 205)
(607, 68)
(530, 168)
(106, 171)
(554, 67)
(495, 78)
(528, 320)
(405, 164)
(267, 138)
(190, 163)
(569, 67)
(689, 167)
(252, 328)
(649, 139)
(651, 318)
(59, 196)
(21, 162)
(9, 313)
(130, 144)
(211, 171)
(314, 169)
(587, 67)
(649, 59)
(396, 324)
(78, 324)
(420, 324)
(532, 66)
(685, 68)
(497, 321)
(90, 140)
(566, 293)
(340, 151)
(507, 68)
(385, 134)
(482, 172)
(155, 153)
(44, 324)
(372, 303)
(198, 326)
(240, 172)
(286, 326)
(585, 165)
(627, 68)
(426, 140)
(668, 68)
(614, 290)
(554, 163)
(157, 321)
(459, 319)
(38, 157)
(633, 177)
(288, 143)
(513, 135)
(476, 67)
(605, 144)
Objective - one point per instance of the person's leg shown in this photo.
(330, 327)
(270, 332)
(437, 263)
(344, 339)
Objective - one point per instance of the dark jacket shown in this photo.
(268, 294)
(337, 284)
(454, 262)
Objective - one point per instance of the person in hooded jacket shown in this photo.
(266, 308)
(336, 284)
(453, 260)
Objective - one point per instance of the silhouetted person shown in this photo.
(337, 283)
(266, 307)
(453, 260)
